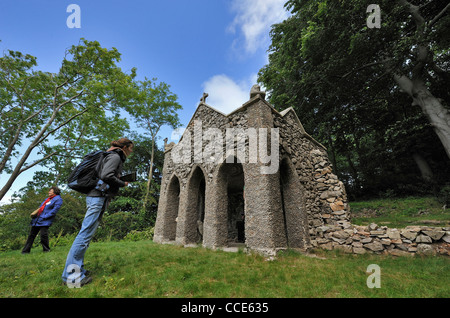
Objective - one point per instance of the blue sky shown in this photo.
(196, 46)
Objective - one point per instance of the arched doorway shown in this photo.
(171, 215)
(231, 185)
(294, 213)
(195, 211)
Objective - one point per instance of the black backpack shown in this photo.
(84, 177)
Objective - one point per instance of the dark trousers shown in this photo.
(33, 233)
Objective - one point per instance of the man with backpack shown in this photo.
(109, 171)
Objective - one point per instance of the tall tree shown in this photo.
(342, 79)
(154, 107)
(58, 113)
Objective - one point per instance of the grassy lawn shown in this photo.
(399, 213)
(146, 269)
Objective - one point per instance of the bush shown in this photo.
(134, 236)
(444, 196)
(115, 226)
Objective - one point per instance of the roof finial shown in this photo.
(256, 90)
(203, 99)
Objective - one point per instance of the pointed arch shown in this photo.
(171, 209)
(191, 230)
(293, 203)
(230, 192)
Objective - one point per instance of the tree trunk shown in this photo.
(422, 164)
(16, 172)
(437, 115)
(150, 173)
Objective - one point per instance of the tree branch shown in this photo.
(438, 16)
(61, 125)
(37, 162)
(414, 10)
(363, 67)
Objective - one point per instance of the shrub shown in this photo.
(146, 234)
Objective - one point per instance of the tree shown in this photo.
(425, 46)
(58, 114)
(340, 76)
(154, 107)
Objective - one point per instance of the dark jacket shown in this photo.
(48, 215)
(109, 172)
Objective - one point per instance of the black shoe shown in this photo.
(83, 282)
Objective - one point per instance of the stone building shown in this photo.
(222, 189)
(224, 184)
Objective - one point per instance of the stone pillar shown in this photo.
(188, 231)
(167, 205)
(215, 230)
(182, 236)
(264, 226)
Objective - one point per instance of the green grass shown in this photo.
(400, 212)
(147, 269)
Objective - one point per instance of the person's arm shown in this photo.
(108, 173)
(35, 212)
(51, 212)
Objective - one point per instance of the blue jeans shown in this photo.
(74, 270)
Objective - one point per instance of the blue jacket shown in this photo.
(48, 215)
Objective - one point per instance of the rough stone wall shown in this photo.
(325, 197)
(384, 240)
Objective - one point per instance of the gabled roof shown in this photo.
(252, 100)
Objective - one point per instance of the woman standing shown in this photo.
(43, 218)
(97, 201)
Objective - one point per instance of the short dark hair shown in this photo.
(56, 190)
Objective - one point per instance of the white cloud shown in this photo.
(225, 94)
(254, 19)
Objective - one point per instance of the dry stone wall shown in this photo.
(411, 240)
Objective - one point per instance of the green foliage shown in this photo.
(64, 115)
(15, 218)
(115, 226)
(337, 74)
(154, 106)
(134, 236)
(444, 195)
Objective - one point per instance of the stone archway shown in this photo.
(191, 227)
(235, 207)
(224, 222)
(171, 210)
(293, 203)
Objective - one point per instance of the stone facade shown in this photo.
(225, 202)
